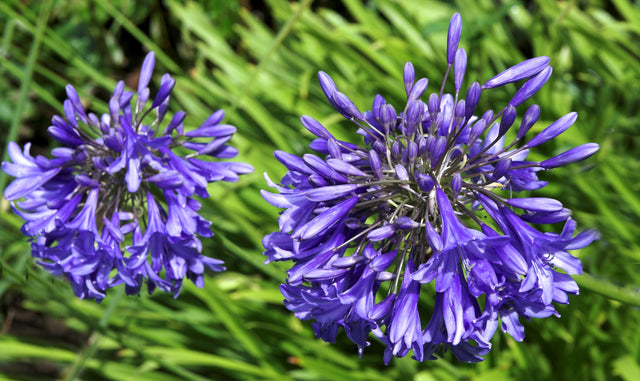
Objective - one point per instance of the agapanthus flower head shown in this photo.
(115, 204)
(427, 204)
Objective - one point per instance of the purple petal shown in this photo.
(508, 117)
(571, 156)
(326, 219)
(512, 326)
(344, 167)
(434, 238)
(378, 102)
(418, 89)
(414, 115)
(346, 106)
(346, 262)
(478, 128)
(433, 104)
(143, 97)
(176, 121)
(214, 147)
(113, 230)
(401, 172)
(453, 36)
(213, 131)
(323, 274)
(160, 142)
(529, 119)
(213, 119)
(472, 99)
(405, 223)
(531, 87)
(381, 233)
(555, 129)
(165, 90)
(85, 180)
(330, 192)
(323, 169)
(524, 69)
(133, 177)
(146, 71)
(547, 217)
(22, 187)
(327, 85)
(456, 183)
(542, 204)
(277, 200)
(167, 179)
(292, 162)
(425, 182)
(334, 149)
(69, 113)
(67, 137)
(459, 68)
(501, 169)
(388, 117)
(315, 127)
(567, 262)
(382, 262)
(438, 150)
(408, 75)
(75, 100)
(582, 240)
(376, 165)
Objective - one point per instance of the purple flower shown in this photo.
(367, 225)
(115, 203)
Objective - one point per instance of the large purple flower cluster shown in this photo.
(115, 203)
(371, 227)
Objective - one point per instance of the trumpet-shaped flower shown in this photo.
(427, 206)
(115, 204)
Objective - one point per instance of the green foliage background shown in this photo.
(259, 61)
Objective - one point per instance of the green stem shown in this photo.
(26, 81)
(6, 41)
(608, 289)
(96, 337)
(139, 35)
(123, 340)
(282, 34)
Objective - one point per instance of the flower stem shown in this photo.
(26, 82)
(100, 327)
(608, 289)
(96, 337)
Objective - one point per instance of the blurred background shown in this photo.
(259, 61)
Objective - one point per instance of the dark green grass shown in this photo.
(260, 65)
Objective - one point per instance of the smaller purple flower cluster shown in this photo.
(425, 207)
(115, 203)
